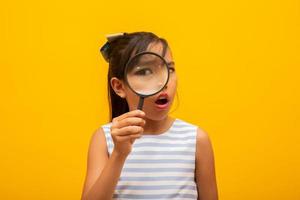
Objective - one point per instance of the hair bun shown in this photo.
(105, 49)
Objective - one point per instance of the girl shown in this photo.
(146, 154)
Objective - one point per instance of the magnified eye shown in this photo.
(143, 72)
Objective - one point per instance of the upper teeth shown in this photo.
(161, 97)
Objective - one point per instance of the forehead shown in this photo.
(158, 48)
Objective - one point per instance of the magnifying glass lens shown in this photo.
(147, 74)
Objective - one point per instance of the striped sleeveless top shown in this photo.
(159, 166)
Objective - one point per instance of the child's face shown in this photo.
(150, 107)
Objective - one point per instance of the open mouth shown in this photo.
(162, 101)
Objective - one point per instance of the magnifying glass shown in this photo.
(146, 74)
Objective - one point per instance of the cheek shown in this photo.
(173, 82)
(131, 97)
(173, 86)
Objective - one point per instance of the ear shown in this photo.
(118, 86)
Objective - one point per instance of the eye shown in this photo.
(171, 69)
(143, 72)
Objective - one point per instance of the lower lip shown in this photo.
(164, 106)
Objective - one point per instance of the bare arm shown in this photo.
(205, 168)
(102, 171)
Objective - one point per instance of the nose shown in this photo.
(165, 86)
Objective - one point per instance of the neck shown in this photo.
(155, 127)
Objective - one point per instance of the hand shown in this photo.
(125, 129)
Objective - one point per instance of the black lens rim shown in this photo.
(139, 54)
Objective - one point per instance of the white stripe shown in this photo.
(168, 141)
(156, 174)
(183, 123)
(190, 134)
(110, 143)
(185, 133)
(160, 165)
(145, 192)
(183, 128)
(151, 183)
(173, 135)
(165, 157)
(188, 149)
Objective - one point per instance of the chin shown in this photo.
(156, 115)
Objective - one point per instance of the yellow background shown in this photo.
(238, 67)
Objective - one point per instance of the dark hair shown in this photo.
(119, 52)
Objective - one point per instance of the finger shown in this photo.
(133, 113)
(131, 121)
(128, 137)
(127, 130)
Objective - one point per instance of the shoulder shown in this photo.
(98, 137)
(202, 135)
(204, 148)
(103, 130)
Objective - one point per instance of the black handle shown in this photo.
(141, 103)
